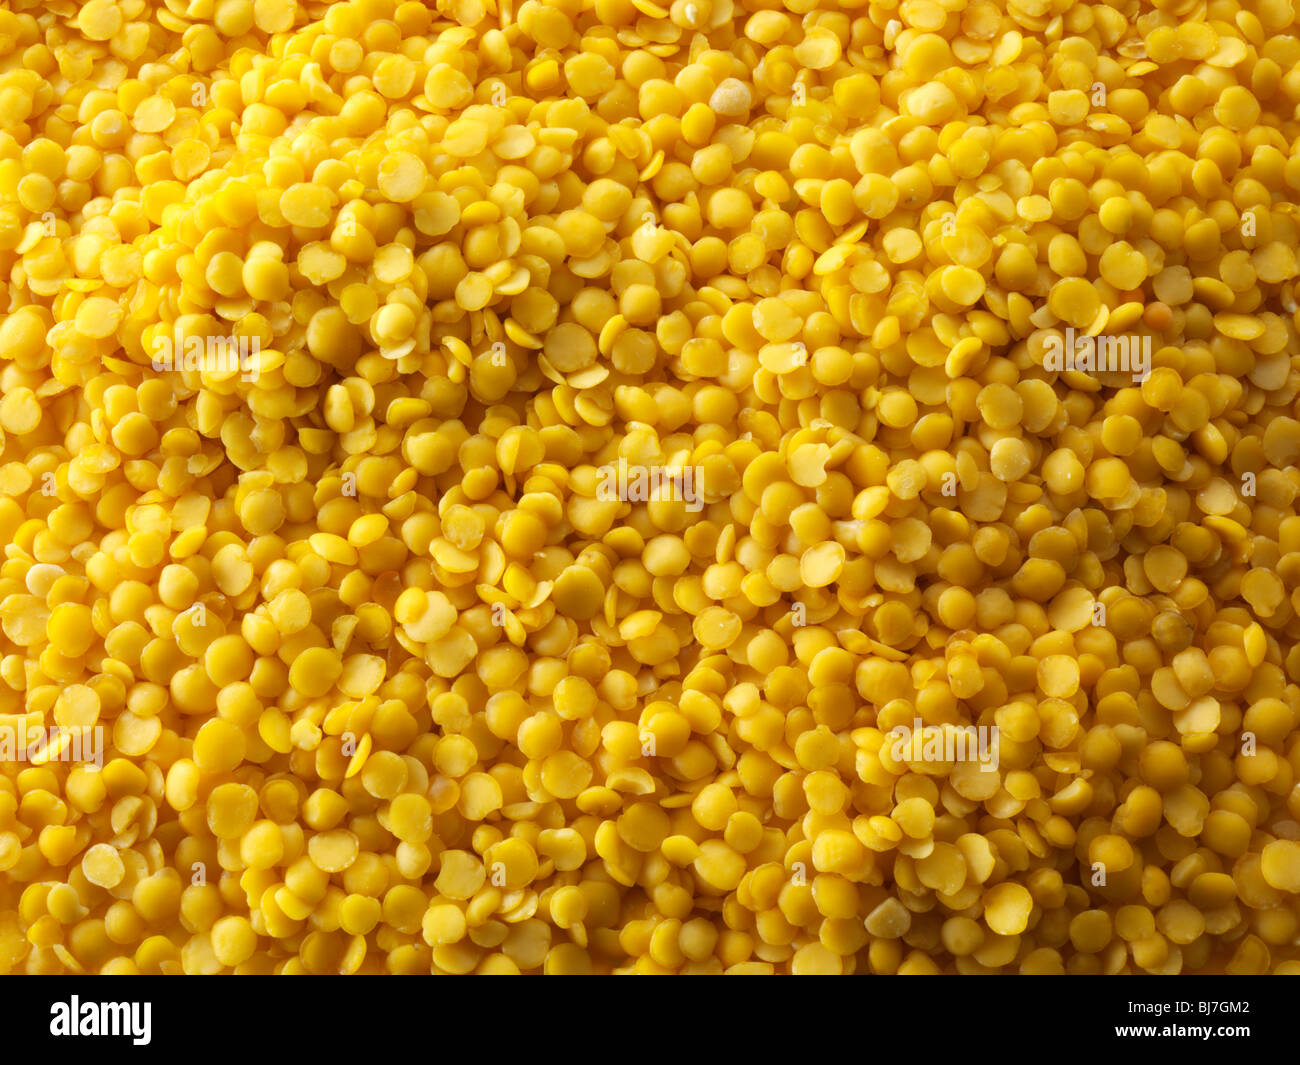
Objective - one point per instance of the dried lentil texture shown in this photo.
(387, 686)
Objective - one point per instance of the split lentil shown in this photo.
(387, 683)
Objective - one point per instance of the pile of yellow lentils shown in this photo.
(386, 682)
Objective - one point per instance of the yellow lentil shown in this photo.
(499, 480)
